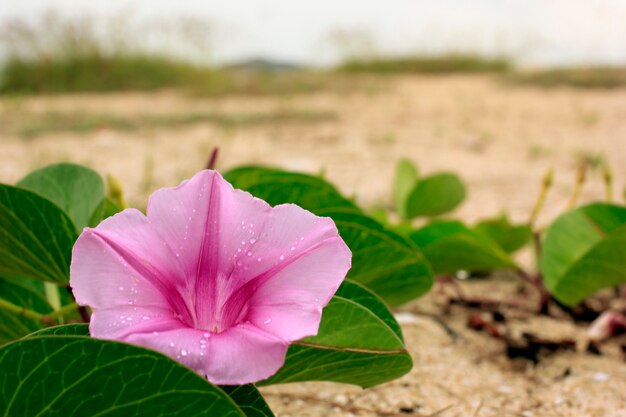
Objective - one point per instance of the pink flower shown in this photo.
(212, 277)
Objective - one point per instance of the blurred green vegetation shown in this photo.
(70, 55)
(99, 73)
(436, 64)
(579, 77)
(30, 125)
(79, 54)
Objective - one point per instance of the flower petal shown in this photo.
(244, 354)
(207, 223)
(119, 322)
(289, 303)
(124, 262)
(241, 355)
(288, 232)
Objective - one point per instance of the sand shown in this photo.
(500, 139)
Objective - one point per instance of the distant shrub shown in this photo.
(436, 64)
(56, 54)
(581, 77)
(98, 73)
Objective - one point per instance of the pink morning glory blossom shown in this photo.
(212, 277)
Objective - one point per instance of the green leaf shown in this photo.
(451, 246)
(24, 294)
(405, 181)
(278, 187)
(249, 400)
(75, 189)
(509, 237)
(107, 208)
(359, 342)
(76, 329)
(435, 195)
(584, 251)
(384, 261)
(79, 376)
(36, 237)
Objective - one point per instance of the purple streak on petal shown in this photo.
(101, 279)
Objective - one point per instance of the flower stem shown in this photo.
(116, 193)
(213, 158)
(66, 309)
(581, 176)
(33, 315)
(607, 175)
(21, 311)
(82, 310)
(546, 183)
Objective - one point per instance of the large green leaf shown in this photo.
(36, 237)
(508, 236)
(107, 208)
(382, 260)
(25, 294)
(584, 250)
(75, 189)
(278, 187)
(76, 329)
(249, 400)
(451, 246)
(435, 195)
(405, 181)
(80, 376)
(359, 342)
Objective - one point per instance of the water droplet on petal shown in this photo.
(155, 333)
(301, 239)
(267, 321)
(252, 241)
(183, 352)
(171, 344)
(293, 248)
(282, 257)
(206, 335)
(121, 288)
(145, 318)
(201, 353)
(258, 259)
(249, 254)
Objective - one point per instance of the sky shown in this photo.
(534, 32)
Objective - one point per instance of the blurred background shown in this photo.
(497, 91)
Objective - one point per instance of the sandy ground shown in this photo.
(500, 139)
(471, 375)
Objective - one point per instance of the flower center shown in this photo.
(218, 309)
